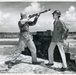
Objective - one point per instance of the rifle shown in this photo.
(30, 16)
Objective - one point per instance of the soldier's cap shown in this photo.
(57, 12)
(22, 14)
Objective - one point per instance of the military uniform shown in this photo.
(25, 39)
(57, 39)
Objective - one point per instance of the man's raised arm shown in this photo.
(33, 22)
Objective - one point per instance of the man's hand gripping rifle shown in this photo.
(36, 14)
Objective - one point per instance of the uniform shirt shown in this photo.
(25, 27)
(59, 30)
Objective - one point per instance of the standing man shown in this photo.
(25, 39)
(57, 39)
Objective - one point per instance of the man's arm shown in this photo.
(33, 22)
(64, 27)
(65, 30)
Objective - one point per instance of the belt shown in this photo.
(23, 31)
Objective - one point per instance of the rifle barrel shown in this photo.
(45, 11)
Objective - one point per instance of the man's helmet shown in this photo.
(57, 12)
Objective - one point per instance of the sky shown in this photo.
(10, 15)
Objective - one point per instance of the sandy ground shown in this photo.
(24, 65)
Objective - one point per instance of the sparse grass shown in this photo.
(29, 68)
